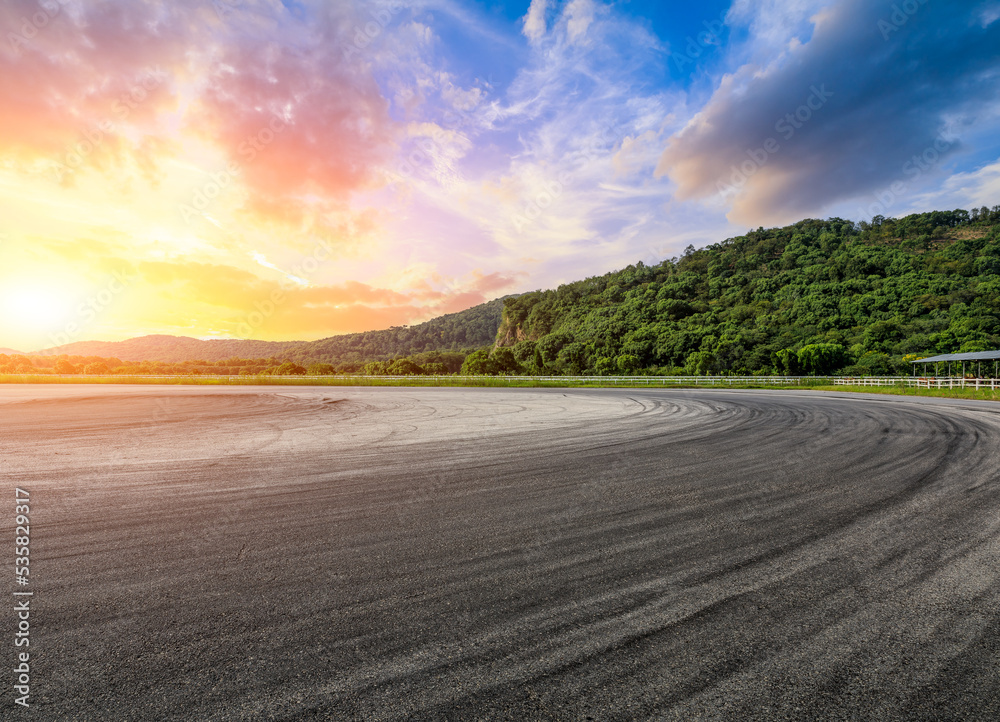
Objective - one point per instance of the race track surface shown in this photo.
(244, 553)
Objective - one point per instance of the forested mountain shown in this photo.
(462, 331)
(174, 349)
(818, 296)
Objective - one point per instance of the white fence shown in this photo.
(922, 382)
(957, 383)
(874, 381)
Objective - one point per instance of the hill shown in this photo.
(818, 296)
(462, 331)
(465, 330)
(172, 349)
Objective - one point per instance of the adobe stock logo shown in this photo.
(913, 169)
(363, 36)
(266, 307)
(202, 198)
(141, 90)
(30, 27)
(787, 125)
(900, 16)
(710, 37)
(88, 311)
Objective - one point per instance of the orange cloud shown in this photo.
(297, 117)
(73, 81)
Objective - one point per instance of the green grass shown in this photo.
(484, 381)
(487, 382)
(981, 395)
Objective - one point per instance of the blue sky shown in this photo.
(653, 109)
(445, 152)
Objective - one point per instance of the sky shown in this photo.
(282, 170)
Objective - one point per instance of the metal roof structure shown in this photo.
(976, 356)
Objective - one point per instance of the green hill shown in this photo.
(817, 296)
(172, 349)
(462, 331)
(465, 330)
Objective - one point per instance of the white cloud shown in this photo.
(989, 15)
(579, 15)
(775, 24)
(972, 189)
(534, 21)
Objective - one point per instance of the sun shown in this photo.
(38, 307)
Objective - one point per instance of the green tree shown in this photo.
(787, 362)
(321, 369)
(404, 367)
(98, 368)
(290, 368)
(479, 363)
(506, 361)
(821, 358)
(873, 363)
(550, 346)
(524, 351)
(701, 363)
(375, 368)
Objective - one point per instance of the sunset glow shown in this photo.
(175, 167)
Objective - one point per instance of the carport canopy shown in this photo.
(974, 356)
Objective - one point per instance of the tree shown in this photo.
(550, 346)
(289, 368)
(375, 368)
(573, 358)
(787, 361)
(98, 368)
(701, 363)
(873, 364)
(479, 363)
(506, 361)
(321, 369)
(404, 367)
(524, 351)
(822, 358)
(63, 366)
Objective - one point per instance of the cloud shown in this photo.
(845, 109)
(579, 15)
(116, 86)
(534, 21)
(293, 106)
(81, 83)
(234, 298)
(971, 189)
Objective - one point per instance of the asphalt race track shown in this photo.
(245, 553)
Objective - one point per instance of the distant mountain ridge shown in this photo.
(468, 329)
(172, 349)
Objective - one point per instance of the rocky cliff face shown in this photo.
(508, 334)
